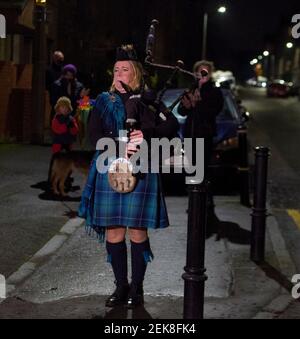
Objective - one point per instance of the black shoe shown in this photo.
(135, 296)
(119, 296)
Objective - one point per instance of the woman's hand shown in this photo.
(190, 100)
(136, 137)
(131, 149)
(186, 101)
(85, 92)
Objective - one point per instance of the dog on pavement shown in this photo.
(63, 164)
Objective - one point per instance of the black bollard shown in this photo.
(259, 211)
(243, 168)
(194, 278)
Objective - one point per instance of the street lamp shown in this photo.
(40, 10)
(221, 10)
(266, 53)
(253, 62)
(289, 45)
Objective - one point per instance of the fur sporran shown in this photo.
(120, 176)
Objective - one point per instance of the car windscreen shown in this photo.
(169, 97)
(230, 110)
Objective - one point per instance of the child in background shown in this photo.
(64, 126)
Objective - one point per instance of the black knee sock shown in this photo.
(141, 254)
(117, 256)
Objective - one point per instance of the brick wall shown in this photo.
(15, 101)
(8, 76)
(24, 76)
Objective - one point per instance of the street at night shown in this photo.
(275, 123)
(149, 162)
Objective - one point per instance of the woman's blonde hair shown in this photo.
(136, 82)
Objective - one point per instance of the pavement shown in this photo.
(68, 277)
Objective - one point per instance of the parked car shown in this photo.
(225, 159)
(259, 81)
(225, 79)
(279, 88)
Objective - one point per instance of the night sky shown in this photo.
(246, 30)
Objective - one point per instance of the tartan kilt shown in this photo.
(103, 207)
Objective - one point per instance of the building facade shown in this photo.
(16, 67)
(88, 33)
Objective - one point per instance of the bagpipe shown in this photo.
(154, 99)
(120, 173)
(175, 70)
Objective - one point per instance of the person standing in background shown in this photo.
(54, 71)
(64, 126)
(201, 106)
(67, 86)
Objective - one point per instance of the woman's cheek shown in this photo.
(127, 79)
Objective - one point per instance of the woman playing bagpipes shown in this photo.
(109, 211)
